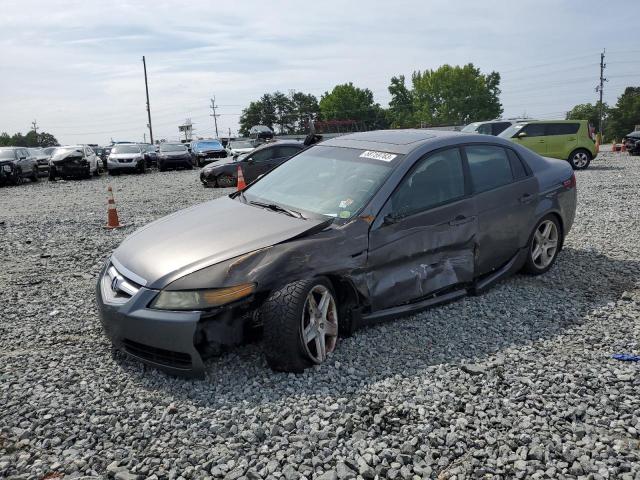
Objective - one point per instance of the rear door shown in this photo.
(533, 137)
(423, 239)
(258, 163)
(562, 139)
(505, 194)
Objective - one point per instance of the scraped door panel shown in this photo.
(422, 254)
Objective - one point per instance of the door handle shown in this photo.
(461, 220)
(526, 198)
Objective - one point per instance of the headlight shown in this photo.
(201, 299)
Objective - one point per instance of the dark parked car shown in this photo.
(261, 133)
(42, 158)
(254, 164)
(16, 164)
(632, 143)
(74, 161)
(174, 155)
(150, 154)
(207, 151)
(359, 228)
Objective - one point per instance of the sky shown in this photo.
(76, 66)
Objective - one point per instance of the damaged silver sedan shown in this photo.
(358, 229)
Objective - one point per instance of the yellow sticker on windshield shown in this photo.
(344, 214)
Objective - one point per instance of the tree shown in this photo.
(401, 106)
(277, 111)
(31, 139)
(450, 95)
(589, 112)
(5, 139)
(626, 114)
(347, 102)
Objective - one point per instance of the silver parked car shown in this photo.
(126, 157)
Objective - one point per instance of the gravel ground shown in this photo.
(516, 383)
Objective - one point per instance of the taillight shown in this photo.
(570, 183)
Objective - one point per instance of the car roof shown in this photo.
(393, 141)
(553, 121)
(279, 142)
(10, 148)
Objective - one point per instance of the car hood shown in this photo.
(70, 156)
(221, 162)
(204, 235)
(240, 151)
(207, 150)
(124, 155)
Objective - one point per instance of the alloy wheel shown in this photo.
(580, 159)
(545, 244)
(319, 324)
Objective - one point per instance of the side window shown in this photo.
(562, 128)
(489, 166)
(534, 129)
(485, 129)
(287, 151)
(498, 128)
(263, 155)
(89, 151)
(436, 179)
(516, 165)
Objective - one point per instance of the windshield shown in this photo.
(512, 130)
(243, 144)
(172, 147)
(206, 146)
(331, 181)
(125, 149)
(5, 154)
(63, 150)
(471, 128)
(148, 148)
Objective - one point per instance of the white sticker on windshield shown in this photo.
(385, 157)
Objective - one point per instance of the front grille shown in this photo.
(116, 288)
(125, 160)
(158, 355)
(221, 154)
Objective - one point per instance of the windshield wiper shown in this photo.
(277, 208)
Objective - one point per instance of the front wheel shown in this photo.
(226, 181)
(580, 159)
(544, 246)
(34, 175)
(300, 323)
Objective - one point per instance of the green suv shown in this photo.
(565, 139)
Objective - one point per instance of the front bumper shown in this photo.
(126, 164)
(72, 167)
(173, 162)
(168, 340)
(7, 172)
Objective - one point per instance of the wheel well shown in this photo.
(349, 301)
(561, 223)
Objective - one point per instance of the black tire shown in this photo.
(282, 320)
(226, 181)
(161, 167)
(142, 168)
(98, 170)
(34, 175)
(533, 267)
(580, 158)
(87, 172)
(18, 179)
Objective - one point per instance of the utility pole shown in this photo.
(214, 115)
(146, 87)
(600, 89)
(34, 126)
(229, 133)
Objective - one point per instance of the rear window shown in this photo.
(562, 128)
(489, 167)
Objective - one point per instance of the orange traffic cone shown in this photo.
(112, 213)
(597, 144)
(241, 183)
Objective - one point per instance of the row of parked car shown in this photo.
(83, 161)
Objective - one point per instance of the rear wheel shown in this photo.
(34, 175)
(52, 174)
(300, 322)
(17, 180)
(580, 159)
(544, 246)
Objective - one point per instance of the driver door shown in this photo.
(423, 241)
(533, 138)
(258, 163)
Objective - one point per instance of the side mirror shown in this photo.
(250, 161)
(521, 134)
